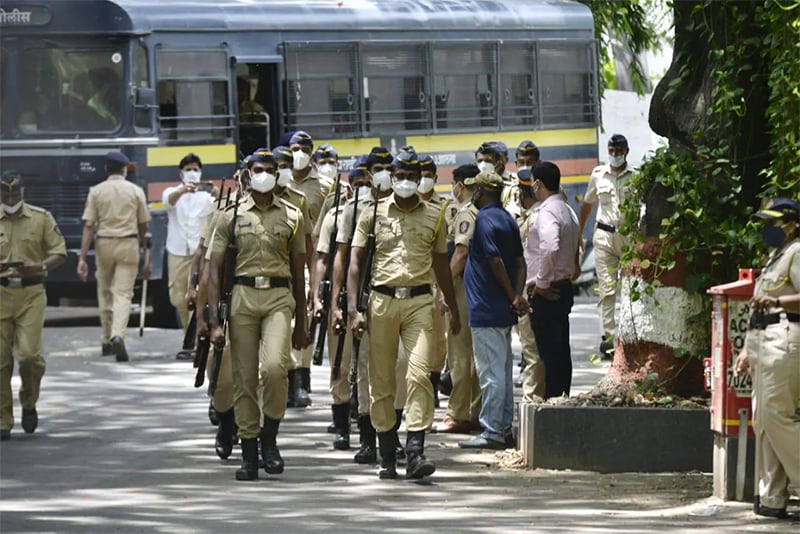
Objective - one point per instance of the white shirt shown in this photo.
(610, 189)
(185, 220)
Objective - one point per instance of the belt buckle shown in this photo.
(402, 292)
(15, 282)
(262, 282)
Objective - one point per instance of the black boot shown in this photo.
(400, 452)
(446, 384)
(386, 442)
(224, 441)
(249, 469)
(273, 463)
(301, 398)
(212, 414)
(366, 436)
(332, 427)
(341, 416)
(307, 379)
(418, 466)
(291, 400)
(435, 378)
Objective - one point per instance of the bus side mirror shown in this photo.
(145, 97)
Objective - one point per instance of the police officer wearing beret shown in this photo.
(116, 217)
(31, 245)
(772, 357)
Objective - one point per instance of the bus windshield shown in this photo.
(74, 90)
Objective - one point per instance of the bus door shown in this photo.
(258, 98)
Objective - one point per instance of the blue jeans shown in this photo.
(494, 362)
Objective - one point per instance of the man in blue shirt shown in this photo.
(494, 279)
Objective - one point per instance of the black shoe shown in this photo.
(5, 434)
(607, 347)
(249, 469)
(366, 436)
(435, 379)
(388, 469)
(480, 442)
(301, 398)
(341, 418)
(212, 414)
(118, 346)
(446, 384)
(520, 377)
(399, 451)
(418, 466)
(223, 443)
(106, 350)
(331, 429)
(185, 355)
(273, 463)
(291, 401)
(307, 380)
(30, 420)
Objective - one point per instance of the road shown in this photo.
(127, 447)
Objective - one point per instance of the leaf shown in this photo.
(645, 264)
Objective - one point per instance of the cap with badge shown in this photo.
(359, 167)
(301, 138)
(10, 181)
(779, 208)
(617, 141)
(379, 155)
(487, 179)
(118, 158)
(325, 151)
(525, 177)
(426, 163)
(262, 155)
(528, 148)
(489, 147)
(282, 153)
(406, 161)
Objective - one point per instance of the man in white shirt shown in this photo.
(187, 206)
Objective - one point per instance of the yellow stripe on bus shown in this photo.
(169, 156)
(351, 147)
(469, 142)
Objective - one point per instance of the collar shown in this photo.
(498, 204)
(115, 177)
(312, 174)
(393, 200)
(549, 200)
(626, 170)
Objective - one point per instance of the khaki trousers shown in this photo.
(400, 371)
(533, 376)
(302, 358)
(117, 263)
(775, 364)
(179, 268)
(260, 331)
(607, 252)
(439, 339)
(223, 395)
(21, 324)
(340, 387)
(410, 322)
(465, 399)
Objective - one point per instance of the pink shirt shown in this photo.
(553, 242)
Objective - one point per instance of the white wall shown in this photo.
(625, 112)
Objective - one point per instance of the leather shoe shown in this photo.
(212, 414)
(480, 442)
(118, 346)
(451, 426)
(30, 420)
(5, 434)
(106, 350)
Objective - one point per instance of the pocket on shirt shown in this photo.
(605, 192)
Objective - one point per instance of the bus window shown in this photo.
(321, 90)
(141, 78)
(193, 94)
(517, 86)
(464, 86)
(394, 88)
(70, 90)
(567, 80)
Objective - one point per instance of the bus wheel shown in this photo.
(164, 314)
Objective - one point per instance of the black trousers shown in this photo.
(550, 323)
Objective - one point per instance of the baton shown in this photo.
(143, 307)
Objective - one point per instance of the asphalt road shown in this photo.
(127, 447)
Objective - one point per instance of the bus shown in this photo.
(220, 78)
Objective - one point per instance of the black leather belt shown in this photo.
(403, 292)
(759, 321)
(117, 236)
(20, 282)
(261, 282)
(606, 227)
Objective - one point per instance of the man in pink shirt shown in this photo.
(551, 255)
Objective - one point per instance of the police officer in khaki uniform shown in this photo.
(116, 216)
(410, 243)
(464, 405)
(326, 162)
(269, 287)
(608, 185)
(30, 245)
(772, 353)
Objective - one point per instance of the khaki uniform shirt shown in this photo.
(334, 215)
(315, 192)
(610, 189)
(298, 200)
(116, 207)
(265, 238)
(405, 241)
(29, 237)
(327, 204)
(464, 224)
(781, 275)
(346, 218)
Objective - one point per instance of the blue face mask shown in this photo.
(772, 236)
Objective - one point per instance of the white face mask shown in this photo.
(300, 160)
(485, 166)
(12, 209)
(262, 182)
(425, 185)
(284, 176)
(382, 180)
(363, 192)
(328, 170)
(616, 161)
(405, 188)
(521, 167)
(191, 177)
